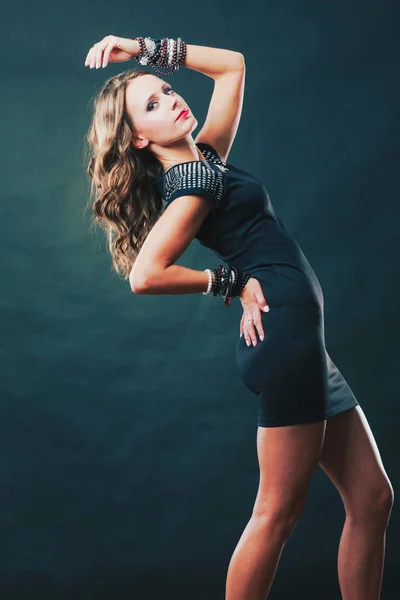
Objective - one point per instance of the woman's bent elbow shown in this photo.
(136, 283)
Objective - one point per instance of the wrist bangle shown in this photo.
(209, 287)
(167, 53)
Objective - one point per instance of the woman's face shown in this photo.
(153, 106)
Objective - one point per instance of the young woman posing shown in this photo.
(154, 189)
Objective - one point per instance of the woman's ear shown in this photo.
(139, 142)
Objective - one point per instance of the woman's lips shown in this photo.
(184, 113)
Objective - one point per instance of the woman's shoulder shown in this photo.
(193, 177)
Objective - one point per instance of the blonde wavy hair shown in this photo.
(122, 199)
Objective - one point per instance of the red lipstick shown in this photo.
(183, 113)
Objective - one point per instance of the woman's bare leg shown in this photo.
(288, 458)
(351, 459)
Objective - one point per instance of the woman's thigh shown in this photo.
(288, 458)
(351, 459)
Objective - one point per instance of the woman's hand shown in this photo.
(253, 301)
(116, 49)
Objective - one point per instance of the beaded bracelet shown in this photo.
(228, 282)
(167, 53)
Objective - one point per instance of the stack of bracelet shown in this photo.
(167, 53)
(228, 282)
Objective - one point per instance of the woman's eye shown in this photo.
(150, 105)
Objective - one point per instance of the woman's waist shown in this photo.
(289, 285)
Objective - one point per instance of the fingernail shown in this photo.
(261, 337)
(266, 308)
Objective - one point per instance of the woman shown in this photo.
(155, 189)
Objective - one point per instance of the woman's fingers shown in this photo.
(111, 41)
(99, 54)
(94, 57)
(258, 324)
(253, 324)
(91, 57)
(107, 50)
(101, 46)
(253, 302)
(88, 57)
(249, 332)
(261, 300)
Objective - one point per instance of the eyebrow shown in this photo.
(164, 85)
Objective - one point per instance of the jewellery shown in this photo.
(249, 319)
(167, 53)
(228, 282)
(209, 282)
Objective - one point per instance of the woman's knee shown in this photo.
(374, 504)
(280, 514)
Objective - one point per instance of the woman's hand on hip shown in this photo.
(253, 302)
(115, 49)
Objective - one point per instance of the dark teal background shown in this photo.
(128, 462)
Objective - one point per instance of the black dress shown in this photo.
(290, 370)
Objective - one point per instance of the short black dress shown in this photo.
(290, 371)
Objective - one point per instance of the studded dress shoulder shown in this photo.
(194, 177)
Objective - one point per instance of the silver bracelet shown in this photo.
(171, 52)
(209, 282)
(150, 45)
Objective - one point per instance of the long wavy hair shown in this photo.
(122, 198)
